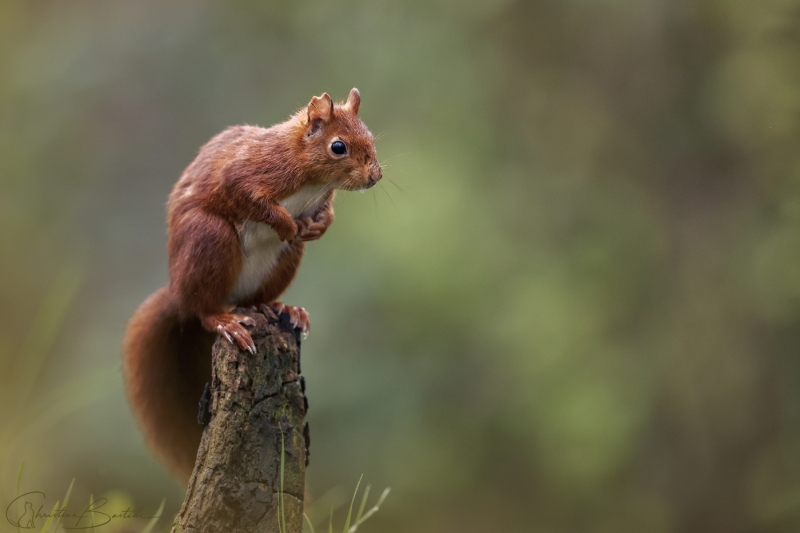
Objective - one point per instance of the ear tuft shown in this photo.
(320, 108)
(354, 100)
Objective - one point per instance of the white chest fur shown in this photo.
(261, 246)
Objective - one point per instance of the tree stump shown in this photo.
(257, 408)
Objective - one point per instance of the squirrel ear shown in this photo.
(320, 108)
(354, 100)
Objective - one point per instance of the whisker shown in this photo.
(396, 185)
(327, 190)
(390, 199)
(398, 155)
(319, 195)
(415, 167)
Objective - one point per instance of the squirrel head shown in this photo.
(339, 144)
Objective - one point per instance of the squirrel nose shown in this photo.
(376, 174)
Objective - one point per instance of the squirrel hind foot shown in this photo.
(298, 316)
(233, 327)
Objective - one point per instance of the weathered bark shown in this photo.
(257, 402)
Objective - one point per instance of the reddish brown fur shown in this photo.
(239, 175)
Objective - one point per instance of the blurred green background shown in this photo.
(572, 305)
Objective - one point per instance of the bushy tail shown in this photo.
(166, 365)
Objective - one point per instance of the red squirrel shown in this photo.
(239, 218)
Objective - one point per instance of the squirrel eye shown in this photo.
(338, 148)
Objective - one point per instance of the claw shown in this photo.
(221, 331)
(232, 328)
(251, 346)
(298, 316)
(267, 311)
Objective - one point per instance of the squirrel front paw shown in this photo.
(233, 328)
(311, 229)
(287, 230)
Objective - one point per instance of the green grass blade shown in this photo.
(66, 501)
(49, 522)
(282, 517)
(68, 397)
(19, 477)
(330, 522)
(91, 515)
(152, 523)
(43, 331)
(308, 521)
(383, 497)
(350, 511)
(363, 504)
(336, 498)
(36, 347)
(58, 403)
(19, 483)
(375, 509)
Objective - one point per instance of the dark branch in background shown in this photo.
(256, 406)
